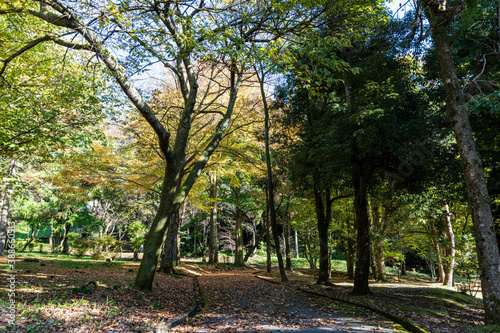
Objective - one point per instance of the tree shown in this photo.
(178, 36)
(441, 16)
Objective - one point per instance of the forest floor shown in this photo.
(69, 295)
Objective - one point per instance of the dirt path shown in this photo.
(239, 302)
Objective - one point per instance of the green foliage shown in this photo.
(137, 232)
(157, 305)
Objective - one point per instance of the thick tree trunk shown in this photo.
(450, 265)
(213, 243)
(56, 242)
(169, 248)
(238, 235)
(479, 201)
(5, 207)
(323, 214)
(158, 231)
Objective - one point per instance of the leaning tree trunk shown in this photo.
(296, 244)
(158, 231)
(5, 208)
(439, 262)
(478, 197)
(323, 214)
(213, 244)
(450, 265)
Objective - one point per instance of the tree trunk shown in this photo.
(169, 248)
(213, 244)
(178, 238)
(238, 235)
(381, 276)
(286, 231)
(258, 239)
(479, 201)
(373, 260)
(56, 242)
(268, 236)
(323, 214)
(270, 185)
(65, 241)
(5, 207)
(296, 244)
(350, 250)
(439, 262)
(450, 265)
(362, 271)
(169, 205)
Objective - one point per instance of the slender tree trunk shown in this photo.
(286, 232)
(268, 236)
(296, 244)
(479, 201)
(439, 262)
(258, 239)
(238, 253)
(213, 243)
(5, 207)
(254, 239)
(448, 279)
(270, 185)
(323, 214)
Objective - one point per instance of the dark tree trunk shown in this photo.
(479, 201)
(66, 239)
(359, 173)
(213, 242)
(169, 248)
(286, 232)
(362, 271)
(268, 236)
(323, 214)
